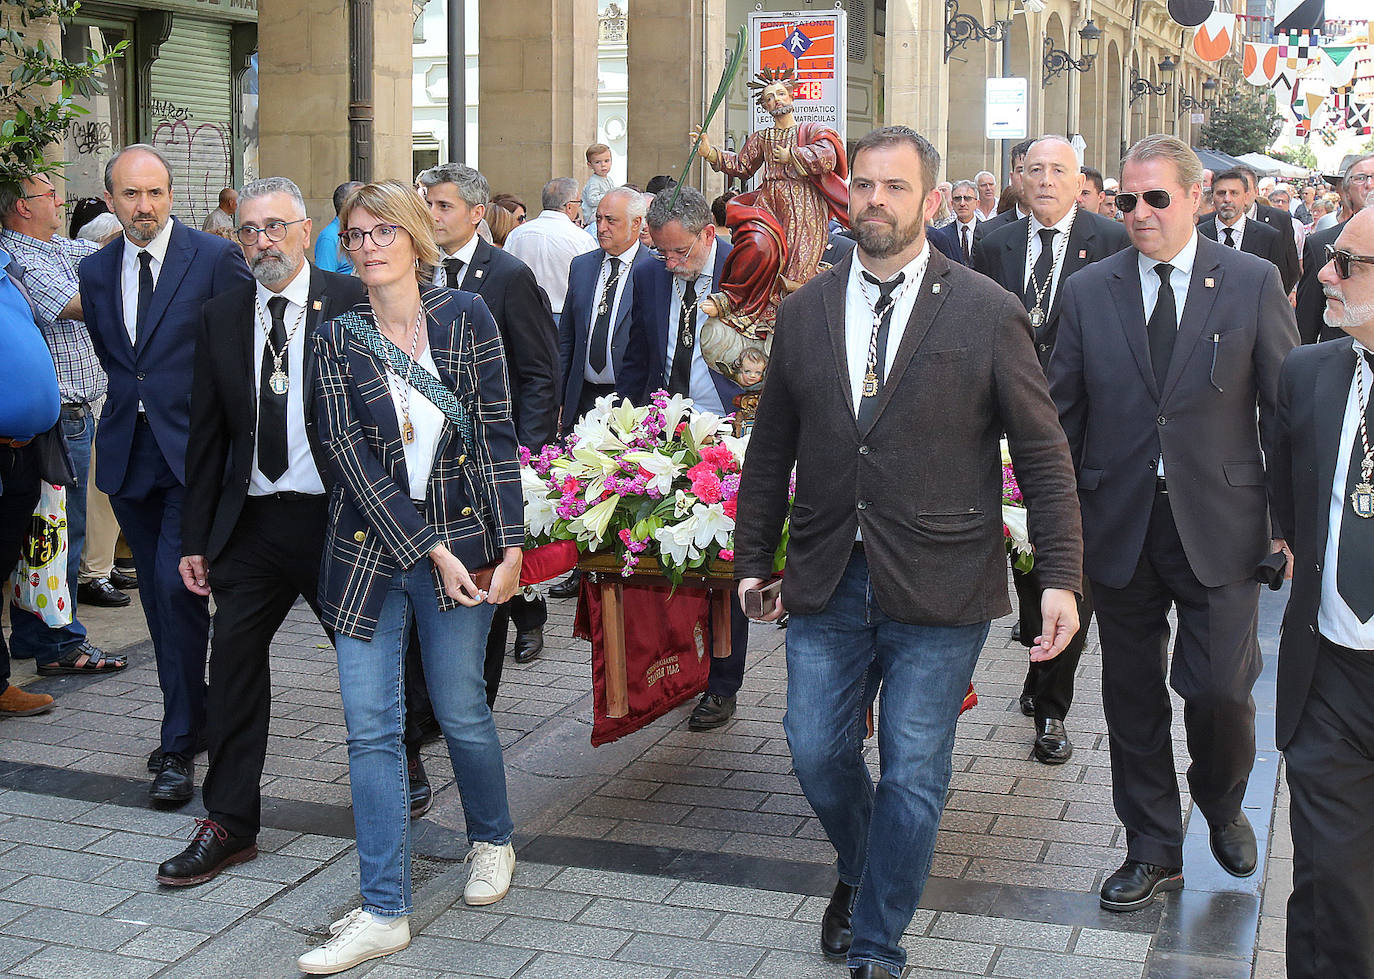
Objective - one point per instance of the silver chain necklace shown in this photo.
(402, 392)
(1037, 311)
(1362, 499)
(279, 381)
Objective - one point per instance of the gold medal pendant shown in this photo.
(408, 432)
(279, 382)
(1362, 500)
(870, 385)
(1037, 317)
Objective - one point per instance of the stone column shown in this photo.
(303, 101)
(677, 53)
(915, 72)
(536, 93)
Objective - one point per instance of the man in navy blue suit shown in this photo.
(663, 350)
(142, 296)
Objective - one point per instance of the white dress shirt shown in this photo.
(157, 248)
(425, 418)
(464, 255)
(960, 227)
(1335, 619)
(302, 475)
(979, 215)
(702, 389)
(627, 257)
(548, 244)
(1179, 279)
(1062, 227)
(1237, 230)
(859, 297)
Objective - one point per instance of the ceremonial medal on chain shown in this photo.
(687, 322)
(1362, 498)
(1037, 310)
(870, 385)
(279, 382)
(407, 429)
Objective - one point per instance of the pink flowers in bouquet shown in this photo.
(1014, 526)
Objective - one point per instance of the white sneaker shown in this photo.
(492, 867)
(357, 937)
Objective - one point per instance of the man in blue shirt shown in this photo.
(28, 407)
(328, 255)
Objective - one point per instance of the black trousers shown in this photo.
(1330, 764)
(272, 558)
(1050, 682)
(1216, 660)
(20, 487)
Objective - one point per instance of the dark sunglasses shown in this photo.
(1157, 199)
(1344, 258)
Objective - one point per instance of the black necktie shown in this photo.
(963, 235)
(145, 289)
(1044, 268)
(453, 273)
(1355, 557)
(869, 393)
(1163, 326)
(596, 353)
(1230, 237)
(272, 406)
(680, 377)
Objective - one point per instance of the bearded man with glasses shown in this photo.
(1165, 374)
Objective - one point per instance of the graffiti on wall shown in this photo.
(201, 157)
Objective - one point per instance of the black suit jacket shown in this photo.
(945, 242)
(924, 480)
(996, 221)
(1282, 222)
(1236, 328)
(1311, 299)
(525, 319)
(1258, 239)
(1313, 388)
(224, 406)
(1001, 255)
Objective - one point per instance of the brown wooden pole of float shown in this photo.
(613, 629)
(720, 622)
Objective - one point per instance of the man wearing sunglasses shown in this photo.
(254, 519)
(1165, 374)
(1320, 484)
(1356, 186)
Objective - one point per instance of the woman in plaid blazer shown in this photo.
(414, 412)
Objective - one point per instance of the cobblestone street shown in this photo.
(666, 854)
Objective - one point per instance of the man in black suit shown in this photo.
(1017, 212)
(1168, 353)
(1356, 185)
(946, 242)
(1229, 225)
(1320, 483)
(457, 197)
(253, 526)
(963, 199)
(1280, 221)
(1033, 258)
(892, 378)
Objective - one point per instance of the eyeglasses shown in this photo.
(50, 192)
(272, 231)
(1157, 199)
(966, 198)
(382, 235)
(1360, 178)
(1342, 259)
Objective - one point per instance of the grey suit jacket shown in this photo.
(1235, 330)
(924, 480)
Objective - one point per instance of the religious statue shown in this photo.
(778, 232)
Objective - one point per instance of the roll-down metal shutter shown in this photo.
(192, 119)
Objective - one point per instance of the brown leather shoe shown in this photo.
(17, 703)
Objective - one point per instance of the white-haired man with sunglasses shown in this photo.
(1320, 480)
(1165, 374)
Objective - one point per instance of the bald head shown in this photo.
(1051, 180)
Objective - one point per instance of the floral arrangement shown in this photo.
(1014, 527)
(658, 481)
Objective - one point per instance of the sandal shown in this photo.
(85, 658)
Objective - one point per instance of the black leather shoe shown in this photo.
(836, 933)
(1233, 844)
(175, 780)
(421, 795)
(871, 970)
(101, 593)
(528, 645)
(122, 581)
(568, 587)
(1027, 703)
(711, 712)
(211, 850)
(1135, 885)
(155, 756)
(1052, 744)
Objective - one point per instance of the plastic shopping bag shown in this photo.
(39, 582)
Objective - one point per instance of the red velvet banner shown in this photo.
(667, 653)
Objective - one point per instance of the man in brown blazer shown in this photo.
(892, 377)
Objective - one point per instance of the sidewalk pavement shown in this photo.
(665, 854)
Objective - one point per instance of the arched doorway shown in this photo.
(1019, 44)
(1056, 94)
(1112, 135)
(967, 149)
(1090, 115)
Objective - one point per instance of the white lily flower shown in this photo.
(539, 508)
(625, 418)
(590, 528)
(1006, 453)
(737, 446)
(593, 431)
(1015, 519)
(682, 503)
(675, 543)
(673, 412)
(701, 427)
(663, 469)
(712, 525)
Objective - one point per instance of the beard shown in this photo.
(272, 268)
(1351, 315)
(138, 234)
(778, 111)
(884, 242)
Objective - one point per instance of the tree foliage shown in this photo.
(38, 101)
(1299, 156)
(1245, 121)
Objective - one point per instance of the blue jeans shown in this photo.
(29, 637)
(372, 681)
(884, 839)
